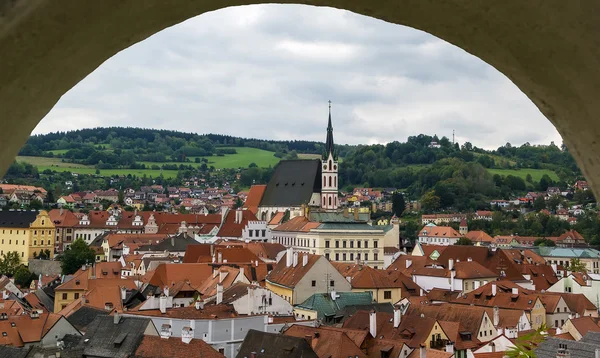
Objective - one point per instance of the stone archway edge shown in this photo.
(550, 49)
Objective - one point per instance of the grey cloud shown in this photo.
(267, 71)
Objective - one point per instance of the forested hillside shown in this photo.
(440, 173)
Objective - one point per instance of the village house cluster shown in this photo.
(292, 272)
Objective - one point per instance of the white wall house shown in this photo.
(591, 289)
(257, 231)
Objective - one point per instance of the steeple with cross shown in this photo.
(329, 185)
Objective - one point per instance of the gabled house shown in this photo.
(438, 235)
(383, 286)
(299, 275)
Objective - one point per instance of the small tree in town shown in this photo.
(577, 266)
(463, 241)
(525, 345)
(9, 263)
(23, 276)
(78, 254)
(398, 204)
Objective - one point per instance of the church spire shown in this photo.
(329, 141)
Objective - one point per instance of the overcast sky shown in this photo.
(267, 71)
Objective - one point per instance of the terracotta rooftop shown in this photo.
(290, 276)
(363, 276)
(331, 342)
(439, 231)
(254, 197)
(173, 347)
(232, 227)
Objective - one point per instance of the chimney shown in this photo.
(238, 216)
(199, 304)
(224, 210)
(450, 264)
(515, 291)
(304, 260)
(422, 351)
(494, 289)
(219, 257)
(397, 317)
(563, 351)
(333, 294)
(295, 259)
(162, 304)
(373, 324)
(83, 267)
(173, 241)
(452, 276)
(289, 256)
(116, 317)
(187, 333)
(469, 259)
(308, 338)
(219, 293)
(450, 347)
(222, 276)
(123, 293)
(408, 263)
(355, 214)
(496, 316)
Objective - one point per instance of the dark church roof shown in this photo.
(17, 219)
(293, 183)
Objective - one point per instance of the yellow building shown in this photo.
(27, 233)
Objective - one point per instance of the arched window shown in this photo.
(336, 201)
(334, 181)
(329, 181)
(329, 164)
(324, 180)
(329, 201)
(323, 199)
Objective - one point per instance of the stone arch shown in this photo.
(550, 52)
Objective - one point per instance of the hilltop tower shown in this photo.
(329, 185)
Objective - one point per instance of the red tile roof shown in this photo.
(290, 276)
(439, 231)
(254, 197)
(173, 347)
(362, 276)
(331, 342)
(233, 228)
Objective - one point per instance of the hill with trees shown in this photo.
(440, 173)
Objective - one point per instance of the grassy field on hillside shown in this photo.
(49, 162)
(309, 156)
(242, 159)
(55, 164)
(536, 174)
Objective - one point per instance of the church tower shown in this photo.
(329, 185)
